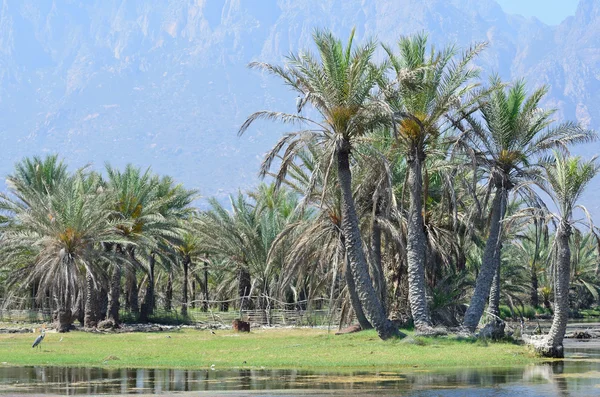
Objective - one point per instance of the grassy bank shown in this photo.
(276, 348)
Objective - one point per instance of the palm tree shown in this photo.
(316, 242)
(189, 248)
(514, 133)
(62, 233)
(567, 177)
(37, 175)
(339, 85)
(143, 202)
(430, 87)
(40, 175)
(584, 267)
(233, 236)
(174, 206)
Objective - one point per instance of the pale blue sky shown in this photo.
(549, 11)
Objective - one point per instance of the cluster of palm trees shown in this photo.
(68, 239)
(408, 190)
(427, 162)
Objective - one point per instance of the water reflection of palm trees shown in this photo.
(550, 374)
(554, 379)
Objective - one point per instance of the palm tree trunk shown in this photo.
(169, 293)
(244, 286)
(494, 303)
(64, 315)
(193, 289)
(114, 293)
(205, 303)
(553, 344)
(489, 263)
(148, 302)
(184, 298)
(132, 287)
(535, 301)
(378, 273)
(416, 246)
(79, 313)
(91, 316)
(354, 299)
(64, 319)
(369, 301)
(495, 326)
(132, 291)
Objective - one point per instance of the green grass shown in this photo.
(528, 312)
(276, 348)
(590, 313)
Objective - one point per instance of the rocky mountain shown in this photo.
(165, 84)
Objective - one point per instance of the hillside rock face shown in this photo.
(166, 83)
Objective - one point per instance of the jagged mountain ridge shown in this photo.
(165, 84)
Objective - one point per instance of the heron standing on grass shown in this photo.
(39, 339)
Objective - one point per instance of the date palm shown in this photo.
(166, 232)
(144, 202)
(316, 242)
(36, 175)
(62, 233)
(233, 236)
(339, 84)
(567, 178)
(189, 248)
(40, 175)
(431, 88)
(507, 143)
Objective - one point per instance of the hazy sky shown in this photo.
(549, 11)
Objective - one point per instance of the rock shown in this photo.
(579, 335)
(349, 330)
(15, 330)
(431, 331)
(107, 324)
(493, 330)
(241, 326)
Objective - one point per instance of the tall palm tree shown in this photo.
(567, 178)
(62, 233)
(339, 84)
(317, 240)
(507, 144)
(431, 88)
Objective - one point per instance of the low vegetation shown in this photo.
(270, 348)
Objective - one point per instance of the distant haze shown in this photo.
(551, 12)
(165, 84)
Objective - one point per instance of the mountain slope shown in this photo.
(165, 83)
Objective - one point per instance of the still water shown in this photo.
(578, 375)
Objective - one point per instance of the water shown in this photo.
(578, 375)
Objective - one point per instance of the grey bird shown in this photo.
(39, 339)
(299, 104)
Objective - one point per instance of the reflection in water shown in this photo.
(572, 377)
